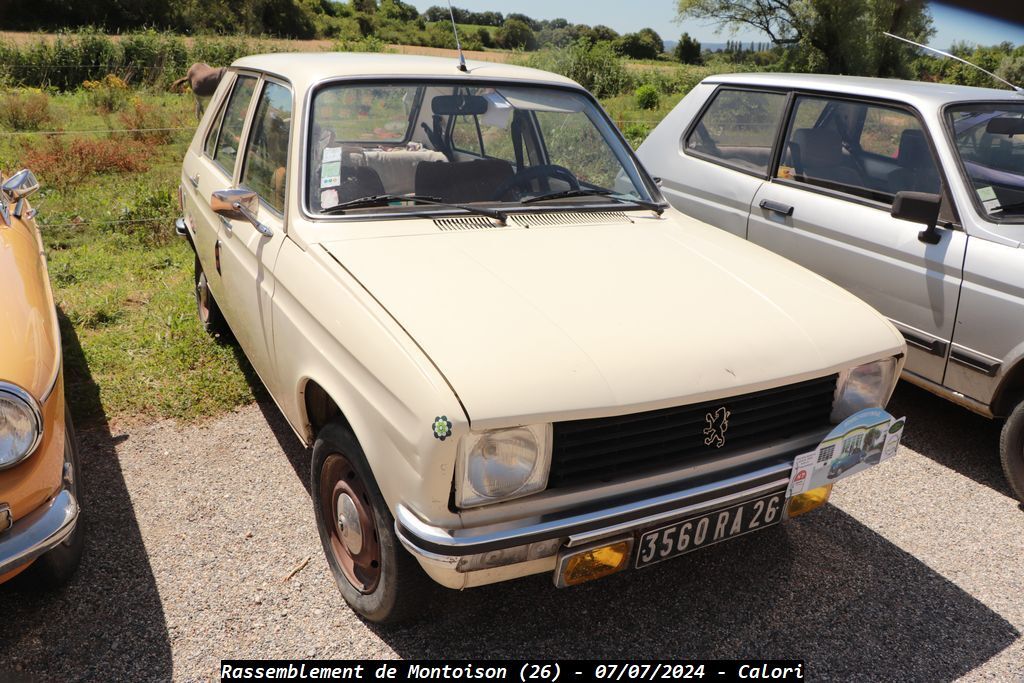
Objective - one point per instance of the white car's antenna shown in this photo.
(455, 29)
(959, 59)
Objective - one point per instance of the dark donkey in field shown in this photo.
(203, 80)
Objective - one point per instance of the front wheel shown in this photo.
(377, 577)
(1011, 450)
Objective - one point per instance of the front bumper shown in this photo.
(38, 532)
(457, 558)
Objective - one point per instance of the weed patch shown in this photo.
(25, 110)
(64, 163)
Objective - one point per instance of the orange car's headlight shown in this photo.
(21, 424)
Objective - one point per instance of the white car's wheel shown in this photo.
(378, 578)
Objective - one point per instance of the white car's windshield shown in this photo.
(381, 145)
(990, 140)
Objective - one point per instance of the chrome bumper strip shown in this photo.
(427, 540)
(39, 531)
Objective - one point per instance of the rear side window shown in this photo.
(738, 128)
(230, 138)
(864, 149)
(266, 157)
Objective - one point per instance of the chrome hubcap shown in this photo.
(349, 528)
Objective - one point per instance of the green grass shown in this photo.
(125, 288)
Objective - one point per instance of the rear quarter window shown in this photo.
(738, 129)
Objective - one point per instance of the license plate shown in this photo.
(698, 532)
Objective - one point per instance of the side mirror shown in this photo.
(239, 205)
(919, 207)
(18, 187)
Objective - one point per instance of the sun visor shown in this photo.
(542, 100)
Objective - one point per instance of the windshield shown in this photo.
(496, 145)
(990, 141)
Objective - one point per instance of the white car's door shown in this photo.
(713, 171)
(827, 208)
(248, 252)
(214, 169)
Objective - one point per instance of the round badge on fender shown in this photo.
(442, 427)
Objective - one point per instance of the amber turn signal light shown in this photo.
(593, 563)
(803, 503)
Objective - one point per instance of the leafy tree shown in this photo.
(529, 21)
(832, 36)
(398, 10)
(688, 50)
(516, 34)
(637, 46)
(601, 33)
(651, 36)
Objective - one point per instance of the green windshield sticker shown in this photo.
(986, 193)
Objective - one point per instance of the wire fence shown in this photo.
(93, 131)
(75, 224)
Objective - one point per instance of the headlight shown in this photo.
(502, 464)
(21, 425)
(865, 386)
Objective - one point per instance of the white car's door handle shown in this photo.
(227, 224)
(194, 179)
(777, 207)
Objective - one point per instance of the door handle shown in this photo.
(194, 179)
(776, 207)
(227, 225)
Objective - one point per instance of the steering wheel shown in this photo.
(543, 171)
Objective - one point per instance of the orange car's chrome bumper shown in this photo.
(38, 532)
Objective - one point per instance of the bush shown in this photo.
(146, 123)
(107, 95)
(64, 164)
(594, 66)
(647, 97)
(516, 34)
(636, 133)
(25, 110)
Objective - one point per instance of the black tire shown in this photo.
(210, 317)
(394, 589)
(1011, 450)
(56, 567)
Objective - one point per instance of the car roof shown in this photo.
(303, 69)
(922, 95)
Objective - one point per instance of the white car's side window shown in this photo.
(229, 139)
(738, 129)
(266, 157)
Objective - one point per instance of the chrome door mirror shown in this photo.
(18, 187)
(239, 205)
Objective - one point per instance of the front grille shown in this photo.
(609, 448)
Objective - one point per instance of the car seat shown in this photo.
(819, 156)
(917, 172)
(462, 181)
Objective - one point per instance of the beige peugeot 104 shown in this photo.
(509, 355)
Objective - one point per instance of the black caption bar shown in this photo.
(524, 671)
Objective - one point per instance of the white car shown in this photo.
(508, 355)
(910, 195)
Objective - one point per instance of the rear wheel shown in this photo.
(1011, 450)
(378, 578)
(209, 313)
(56, 567)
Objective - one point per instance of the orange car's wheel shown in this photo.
(378, 578)
(56, 567)
(209, 313)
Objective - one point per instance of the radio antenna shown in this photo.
(458, 45)
(959, 59)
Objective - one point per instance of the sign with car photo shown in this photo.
(860, 441)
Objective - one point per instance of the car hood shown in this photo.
(29, 340)
(558, 322)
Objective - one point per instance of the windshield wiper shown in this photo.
(1010, 207)
(379, 199)
(653, 206)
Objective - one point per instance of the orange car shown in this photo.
(39, 509)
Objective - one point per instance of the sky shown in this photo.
(952, 24)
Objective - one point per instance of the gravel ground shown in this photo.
(915, 571)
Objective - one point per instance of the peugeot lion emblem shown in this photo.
(718, 422)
